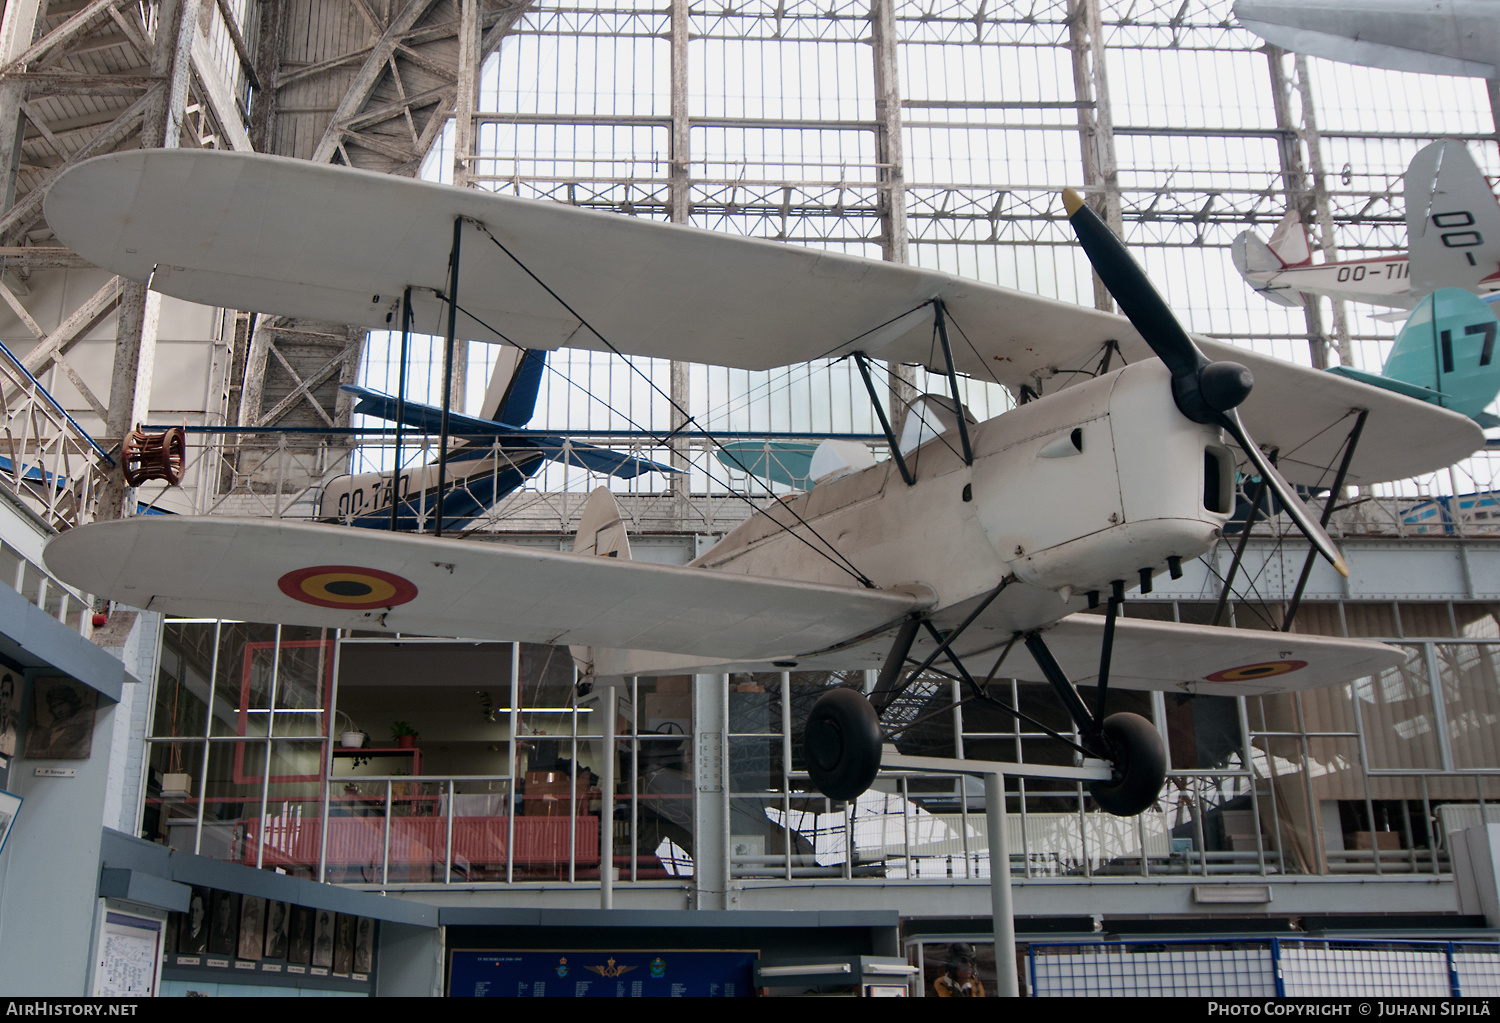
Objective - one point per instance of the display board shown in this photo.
(128, 955)
(607, 973)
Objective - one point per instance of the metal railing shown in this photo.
(47, 460)
(1268, 967)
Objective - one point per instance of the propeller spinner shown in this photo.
(1206, 392)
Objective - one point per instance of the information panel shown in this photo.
(488, 973)
(128, 964)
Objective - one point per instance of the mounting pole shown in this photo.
(1002, 904)
(458, 226)
(400, 402)
(958, 405)
(610, 706)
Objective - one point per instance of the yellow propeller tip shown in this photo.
(1342, 568)
(1072, 201)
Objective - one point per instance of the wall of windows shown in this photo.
(502, 783)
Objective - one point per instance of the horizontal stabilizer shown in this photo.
(1389, 383)
(788, 462)
(428, 419)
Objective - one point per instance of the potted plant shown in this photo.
(403, 735)
(352, 736)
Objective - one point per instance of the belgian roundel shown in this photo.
(346, 587)
(1250, 672)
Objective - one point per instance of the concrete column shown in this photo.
(267, 70)
(135, 337)
(465, 103)
(1096, 127)
(17, 30)
(411, 961)
(49, 871)
(1298, 195)
(710, 796)
(1002, 906)
(679, 198)
(1321, 205)
(891, 177)
(610, 708)
(467, 98)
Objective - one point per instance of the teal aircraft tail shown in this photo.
(1445, 354)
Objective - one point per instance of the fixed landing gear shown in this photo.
(844, 739)
(842, 744)
(1140, 765)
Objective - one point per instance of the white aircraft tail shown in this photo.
(1452, 221)
(601, 532)
(1287, 248)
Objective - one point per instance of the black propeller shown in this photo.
(1206, 392)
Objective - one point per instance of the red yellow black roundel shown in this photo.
(346, 587)
(1250, 672)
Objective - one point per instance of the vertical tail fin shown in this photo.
(1289, 242)
(601, 529)
(1452, 222)
(510, 397)
(1258, 262)
(1448, 346)
(601, 532)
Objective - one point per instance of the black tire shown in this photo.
(842, 744)
(1140, 763)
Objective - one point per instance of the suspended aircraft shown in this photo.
(1453, 241)
(1451, 37)
(494, 457)
(976, 548)
(1445, 354)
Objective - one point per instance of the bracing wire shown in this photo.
(832, 554)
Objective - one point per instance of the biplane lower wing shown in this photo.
(659, 619)
(320, 575)
(249, 231)
(1198, 660)
(1207, 661)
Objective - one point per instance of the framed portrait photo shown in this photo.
(10, 805)
(62, 720)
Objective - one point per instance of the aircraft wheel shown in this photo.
(842, 744)
(1140, 763)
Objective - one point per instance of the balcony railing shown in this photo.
(46, 459)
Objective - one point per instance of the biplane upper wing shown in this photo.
(291, 237)
(299, 573)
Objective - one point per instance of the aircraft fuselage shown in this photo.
(1066, 494)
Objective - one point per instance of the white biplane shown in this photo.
(1117, 465)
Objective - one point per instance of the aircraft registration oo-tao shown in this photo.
(980, 545)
